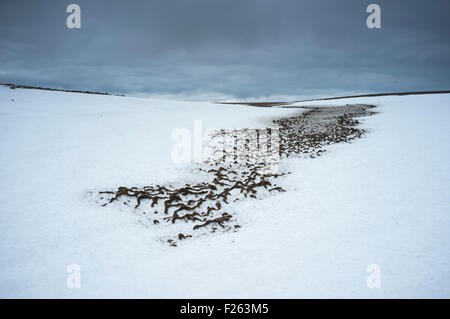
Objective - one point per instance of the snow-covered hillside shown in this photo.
(383, 199)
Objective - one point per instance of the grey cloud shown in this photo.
(240, 48)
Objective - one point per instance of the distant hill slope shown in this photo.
(19, 86)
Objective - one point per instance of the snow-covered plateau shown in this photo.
(377, 203)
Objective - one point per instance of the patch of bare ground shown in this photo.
(311, 132)
(204, 205)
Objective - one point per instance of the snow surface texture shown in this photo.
(383, 199)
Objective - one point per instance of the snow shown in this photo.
(382, 199)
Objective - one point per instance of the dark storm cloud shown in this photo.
(241, 48)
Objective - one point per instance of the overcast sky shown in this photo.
(220, 48)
